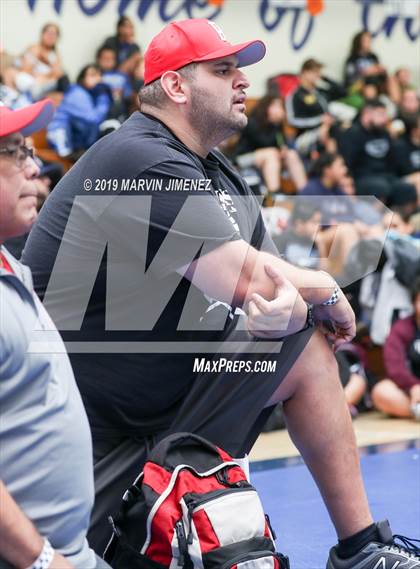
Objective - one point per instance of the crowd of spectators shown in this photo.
(101, 98)
(314, 148)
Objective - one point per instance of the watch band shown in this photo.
(44, 559)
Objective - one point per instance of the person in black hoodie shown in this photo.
(371, 157)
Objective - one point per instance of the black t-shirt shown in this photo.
(255, 136)
(356, 65)
(92, 248)
(368, 152)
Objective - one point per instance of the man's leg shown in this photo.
(319, 424)
(229, 407)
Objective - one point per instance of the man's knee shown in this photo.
(318, 355)
(316, 362)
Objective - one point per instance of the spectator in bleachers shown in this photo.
(117, 81)
(126, 49)
(40, 69)
(298, 242)
(340, 231)
(327, 175)
(306, 106)
(307, 110)
(399, 395)
(368, 91)
(264, 145)
(362, 62)
(75, 126)
(370, 155)
(409, 106)
(398, 83)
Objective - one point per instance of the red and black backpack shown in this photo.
(192, 507)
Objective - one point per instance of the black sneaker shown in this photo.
(383, 554)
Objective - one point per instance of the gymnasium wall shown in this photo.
(289, 30)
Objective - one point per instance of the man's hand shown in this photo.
(342, 319)
(415, 394)
(283, 316)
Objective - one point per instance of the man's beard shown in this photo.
(378, 130)
(210, 123)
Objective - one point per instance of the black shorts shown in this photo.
(226, 407)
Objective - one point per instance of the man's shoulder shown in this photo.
(21, 271)
(140, 144)
(19, 316)
(153, 136)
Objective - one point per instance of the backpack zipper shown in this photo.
(182, 542)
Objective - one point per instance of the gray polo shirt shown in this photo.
(45, 443)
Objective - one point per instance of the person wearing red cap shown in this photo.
(45, 505)
(211, 268)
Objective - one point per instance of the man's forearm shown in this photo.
(20, 543)
(315, 287)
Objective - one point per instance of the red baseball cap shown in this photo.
(196, 39)
(26, 120)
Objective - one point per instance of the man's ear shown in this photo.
(174, 87)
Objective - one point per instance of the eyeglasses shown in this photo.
(19, 153)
